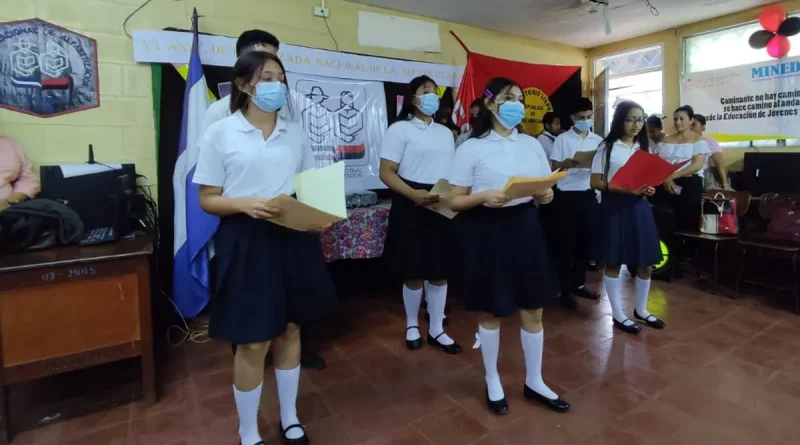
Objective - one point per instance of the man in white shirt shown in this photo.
(552, 128)
(253, 40)
(575, 201)
(474, 109)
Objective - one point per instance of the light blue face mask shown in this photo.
(510, 114)
(428, 104)
(584, 126)
(270, 96)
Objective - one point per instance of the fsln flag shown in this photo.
(546, 88)
(193, 227)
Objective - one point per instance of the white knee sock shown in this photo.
(613, 289)
(288, 380)
(247, 407)
(411, 300)
(437, 299)
(642, 292)
(490, 348)
(533, 346)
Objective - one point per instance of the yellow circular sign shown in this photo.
(536, 105)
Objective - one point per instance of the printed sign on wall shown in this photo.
(46, 70)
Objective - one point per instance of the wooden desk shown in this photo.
(69, 308)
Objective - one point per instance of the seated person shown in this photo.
(18, 179)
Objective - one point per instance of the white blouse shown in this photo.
(488, 163)
(677, 153)
(423, 152)
(234, 155)
(620, 154)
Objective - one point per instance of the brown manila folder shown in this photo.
(520, 187)
(320, 199)
(443, 189)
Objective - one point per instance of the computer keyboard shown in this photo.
(99, 236)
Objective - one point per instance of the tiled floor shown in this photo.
(723, 372)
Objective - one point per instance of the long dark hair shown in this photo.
(617, 130)
(247, 66)
(483, 123)
(407, 111)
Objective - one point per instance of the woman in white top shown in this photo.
(683, 191)
(628, 228)
(416, 154)
(270, 279)
(503, 260)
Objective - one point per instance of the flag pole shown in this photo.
(460, 42)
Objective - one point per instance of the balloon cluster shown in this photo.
(776, 32)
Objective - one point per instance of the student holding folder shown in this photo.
(629, 229)
(503, 260)
(270, 279)
(416, 154)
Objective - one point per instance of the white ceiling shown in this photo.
(570, 22)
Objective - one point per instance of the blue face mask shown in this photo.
(583, 126)
(428, 104)
(510, 114)
(270, 96)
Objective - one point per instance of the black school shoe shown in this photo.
(630, 329)
(558, 405)
(413, 345)
(496, 407)
(303, 440)
(651, 321)
(312, 361)
(585, 292)
(454, 349)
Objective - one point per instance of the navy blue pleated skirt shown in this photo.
(266, 277)
(502, 262)
(418, 240)
(629, 231)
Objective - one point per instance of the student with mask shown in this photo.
(683, 190)
(474, 109)
(629, 230)
(716, 174)
(502, 258)
(252, 40)
(270, 279)
(575, 200)
(416, 154)
(552, 128)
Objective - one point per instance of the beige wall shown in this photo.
(672, 45)
(122, 128)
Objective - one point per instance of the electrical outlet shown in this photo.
(321, 11)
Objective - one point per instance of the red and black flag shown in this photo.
(546, 87)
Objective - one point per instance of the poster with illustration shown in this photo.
(47, 70)
(345, 120)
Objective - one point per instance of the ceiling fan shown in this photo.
(582, 8)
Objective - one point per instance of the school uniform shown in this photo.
(416, 244)
(221, 109)
(686, 204)
(575, 202)
(267, 275)
(547, 140)
(462, 138)
(627, 226)
(502, 259)
(711, 175)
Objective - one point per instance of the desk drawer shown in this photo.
(44, 322)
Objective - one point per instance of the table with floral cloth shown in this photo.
(360, 236)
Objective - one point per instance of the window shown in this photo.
(713, 50)
(633, 75)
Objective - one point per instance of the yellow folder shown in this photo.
(320, 199)
(520, 187)
(444, 190)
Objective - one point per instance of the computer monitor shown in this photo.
(771, 173)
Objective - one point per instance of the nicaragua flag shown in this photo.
(193, 227)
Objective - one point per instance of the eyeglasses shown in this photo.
(631, 121)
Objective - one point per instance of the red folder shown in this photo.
(644, 169)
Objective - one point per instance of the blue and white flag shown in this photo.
(193, 227)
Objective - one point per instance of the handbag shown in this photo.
(719, 216)
(785, 225)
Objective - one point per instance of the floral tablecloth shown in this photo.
(360, 236)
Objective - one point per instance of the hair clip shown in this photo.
(488, 93)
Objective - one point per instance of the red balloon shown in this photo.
(772, 17)
(778, 47)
